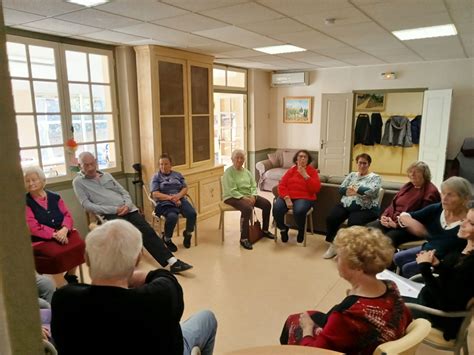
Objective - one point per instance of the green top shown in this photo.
(238, 183)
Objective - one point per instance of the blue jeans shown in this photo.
(406, 261)
(188, 211)
(199, 330)
(300, 208)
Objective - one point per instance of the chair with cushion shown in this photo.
(308, 221)
(417, 330)
(196, 351)
(435, 337)
(161, 219)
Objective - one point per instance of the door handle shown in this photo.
(322, 144)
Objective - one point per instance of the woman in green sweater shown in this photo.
(240, 191)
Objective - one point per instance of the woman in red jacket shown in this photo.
(297, 190)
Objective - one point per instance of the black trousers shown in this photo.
(151, 241)
(397, 235)
(355, 217)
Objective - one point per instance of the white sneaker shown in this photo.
(330, 253)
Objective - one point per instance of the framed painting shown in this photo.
(297, 109)
(370, 102)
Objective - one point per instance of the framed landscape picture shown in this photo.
(370, 102)
(297, 109)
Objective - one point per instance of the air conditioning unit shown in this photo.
(290, 79)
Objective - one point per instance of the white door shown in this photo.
(336, 134)
(434, 131)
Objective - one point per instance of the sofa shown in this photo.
(329, 196)
(270, 171)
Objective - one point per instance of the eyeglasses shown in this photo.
(362, 163)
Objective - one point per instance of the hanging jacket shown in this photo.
(415, 129)
(362, 130)
(376, 125)
(397, 132)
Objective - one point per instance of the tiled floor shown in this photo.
(252, 292)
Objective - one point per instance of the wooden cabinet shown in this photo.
(175, 117)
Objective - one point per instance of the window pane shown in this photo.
(42, 62)
(46, 97)
(104, 127)
(53, 161)
(80, 97)
(85, 148)
(101, 98)
(26, 131)
(17, 59)
(99, 66)
(83, 128)
(22, 96)
(106, 155)
(29, 157)
(49, 129)
(76, 63)
(235, 79)
(219, 77)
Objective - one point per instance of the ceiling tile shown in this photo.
(64, 27)
(309, 40)
(342, 17)
(202, 5)
(216, 48)
(41, 7)
(112, 36)
(242, 13)
(98, 18)
(400, 58)
(360, 59)
(303, 7)
(14, 17)
(274, 27)
(144, 10)
(190, 23)
(239, 37)
(401, 8)
(242, 53)
(149, 30)
(248, 64)
(40, 30)
(437, 48)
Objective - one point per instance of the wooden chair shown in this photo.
(161, 219)
(417, 330)
(308, 220)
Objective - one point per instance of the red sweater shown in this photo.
(410, 199)
(292, 184)
(359, 324)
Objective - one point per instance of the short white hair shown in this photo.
(459, 185)
(237, 152)
(112, 249)
(83, 155)
(34, 170)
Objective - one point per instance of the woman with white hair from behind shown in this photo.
(126, 310)
(240, 191)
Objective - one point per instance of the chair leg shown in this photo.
(81, 274)
(311, 223)
(223, 226)
(305, 231)
(196, 235)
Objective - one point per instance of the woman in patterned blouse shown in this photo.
(359, 202)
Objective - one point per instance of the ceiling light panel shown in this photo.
(426, 32)
(286, 48)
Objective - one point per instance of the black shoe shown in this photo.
(71, 279)
(300, 237)
(246, 244)
(179, 266)
(187, 239)
(268, 234)
(170, 245)
(284, 235)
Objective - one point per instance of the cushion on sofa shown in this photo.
(389, 185)
(288, 159)
(275, 173)
(323, 178)
(273, 157)
(336, 180)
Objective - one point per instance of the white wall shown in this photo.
(456, 74)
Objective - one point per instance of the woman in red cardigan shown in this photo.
(416, 194)
(297, 190)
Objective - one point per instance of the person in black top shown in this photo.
(454, 287)
(125, 311)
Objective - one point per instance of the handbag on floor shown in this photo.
(255, 230)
